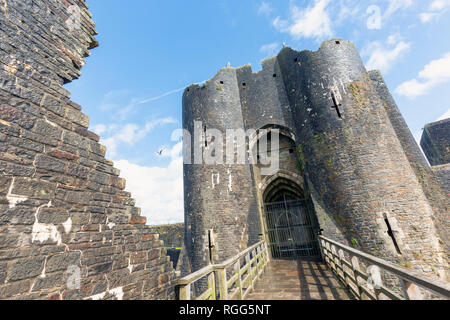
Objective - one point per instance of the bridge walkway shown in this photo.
(298, 280)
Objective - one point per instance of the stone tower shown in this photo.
(344, 148)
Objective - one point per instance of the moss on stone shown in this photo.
(358, 89)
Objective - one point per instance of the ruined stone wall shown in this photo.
(435, 142)
(171, 234)
(68, 230)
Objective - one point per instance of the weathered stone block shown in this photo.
(5, 183)
(77, 117)
(100, 269)
(2, 272)
(75, 140)
(26, 268)
(78, 197)
(54, 105)
(20, 215)
(14, 115)
(60, 262)
(48, 282)
(15, 288)
(52, 215)
(34, 188)
(47, 129)
(50, 164)
(99, 177)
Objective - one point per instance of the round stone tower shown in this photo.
(219, 191)
(352, 159)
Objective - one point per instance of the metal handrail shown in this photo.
(351, 274)
(256, 259)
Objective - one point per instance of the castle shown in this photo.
(348, 166)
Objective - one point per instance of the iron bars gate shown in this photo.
(291, 230)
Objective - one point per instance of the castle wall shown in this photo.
(263, 96)
(435, 142)
(68, 230)
(353, 159)
(434, 182)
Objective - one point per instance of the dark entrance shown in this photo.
(291, 226)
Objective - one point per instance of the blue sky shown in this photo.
(132, 84)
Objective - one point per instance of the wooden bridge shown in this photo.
(343, 273)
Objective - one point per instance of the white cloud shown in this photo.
(446, 115)
(435, 10)
(428, 16)
(383, 58)
(158, 191)
(312, 22)
(270, 49)
(434, 73)
(439, 5)
(265, 9)
(128, 134)
(396, 5)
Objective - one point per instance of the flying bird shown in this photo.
(159, 153)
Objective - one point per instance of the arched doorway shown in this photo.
(291, 226)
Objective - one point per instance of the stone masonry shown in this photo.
(68, 230)
(355, 159)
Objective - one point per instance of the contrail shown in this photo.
(168, 93)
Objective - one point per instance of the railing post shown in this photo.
(258, 261)
(250, 270)
(223, 288)
(344, 267)
(266, 247)
(212, 285)
(185, 292)
(255, 269)
(237, 269)
(411, 290)
(355, 268)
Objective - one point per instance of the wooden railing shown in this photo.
(347, 264)
(244, 269)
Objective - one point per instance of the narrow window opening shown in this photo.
(338, 42)
(244, 84)
(274, 75)
(221, 82)
(291, 150)
(391, 234)
(204, 135)
(296, 60)
(336, 105)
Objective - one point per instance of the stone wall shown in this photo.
(68, 230)
(171, 234)
(435, 142)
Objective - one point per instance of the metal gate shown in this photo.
(291, 230)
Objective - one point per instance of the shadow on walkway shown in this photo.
(298, 280)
